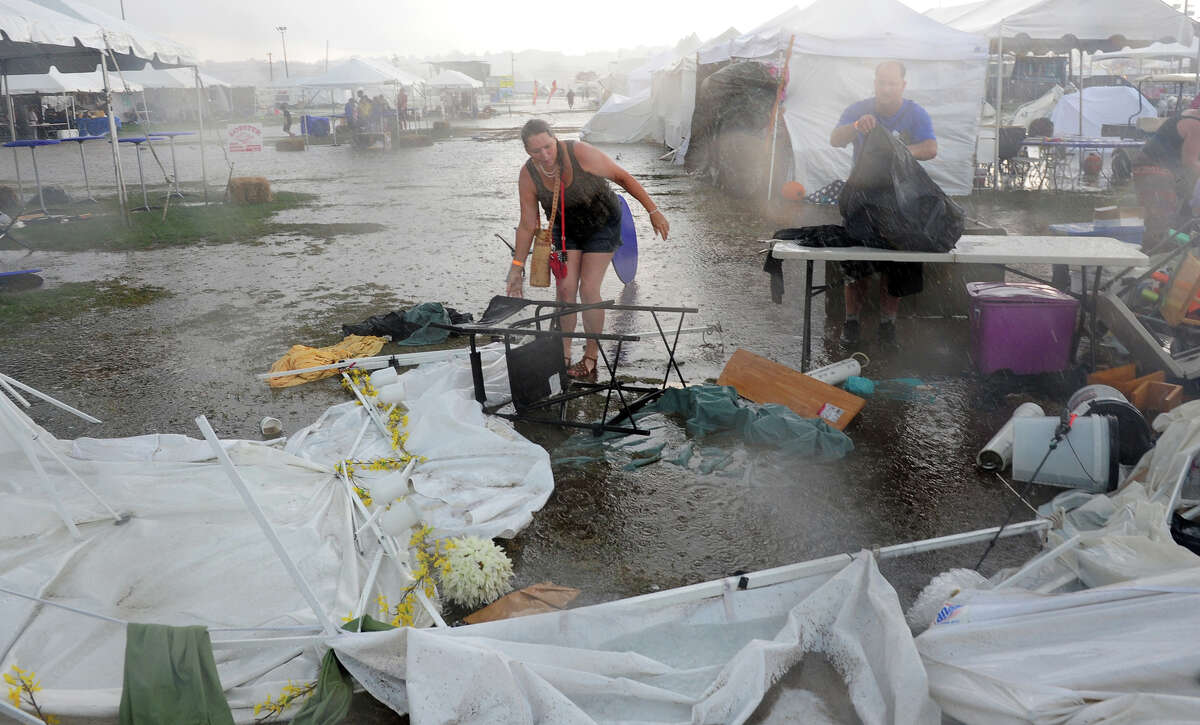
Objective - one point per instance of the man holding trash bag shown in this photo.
(911, 123)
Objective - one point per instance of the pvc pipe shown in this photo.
(48, 399)
(997, 454)
(838, 372)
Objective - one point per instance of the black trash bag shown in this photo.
(890, 202)
(903, 278)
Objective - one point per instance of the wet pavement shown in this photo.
(612, 532)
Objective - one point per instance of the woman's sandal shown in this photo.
(580, 370)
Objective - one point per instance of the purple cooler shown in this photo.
(1023, 327)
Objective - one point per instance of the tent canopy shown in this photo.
(1161, 51)
(70, 35)
(854, 29)
(1101, 105)
(1088, 24)
(622, 119)
(166, 78)
(56, 82)
(361, 72)
(448, 78)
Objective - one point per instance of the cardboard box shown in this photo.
(1155, 397)
(1118, 216)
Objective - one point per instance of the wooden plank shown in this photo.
(764, 381)
(1113, 375)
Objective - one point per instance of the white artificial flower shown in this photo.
(477, 571)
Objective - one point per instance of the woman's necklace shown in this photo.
(551, 174)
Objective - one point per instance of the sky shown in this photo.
(241, 29)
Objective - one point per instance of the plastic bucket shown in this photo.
(1080, 401)
(1085, 459)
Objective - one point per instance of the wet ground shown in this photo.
(235, 308)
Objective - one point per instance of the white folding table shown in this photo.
(1004, 251)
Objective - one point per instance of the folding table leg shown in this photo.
(808, 298)
(37, 179)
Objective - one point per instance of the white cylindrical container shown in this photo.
(1083, 397)
(384, 376)
(270, 427)
(390, 394)
(838, 372)
(389, 488)
(997, 454)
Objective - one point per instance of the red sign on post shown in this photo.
(245, 137)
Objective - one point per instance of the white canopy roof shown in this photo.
(1154, 50)
(622, 119)
(1090, 23)
(454, 79)
(853, 29)
(69, 34)
(360, 72)
(946, 14)
(56, 82)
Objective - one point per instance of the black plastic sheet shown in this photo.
(890, 202)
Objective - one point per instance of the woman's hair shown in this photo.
(533, 127)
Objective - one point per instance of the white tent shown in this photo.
(1101, 105)
(1154, 51)
(168, 78)
(357, 72)
(622, 119)
(56, 82)
(1089, 24)
(837, 45)
(448, 78)
(946, 14)
(641, 77)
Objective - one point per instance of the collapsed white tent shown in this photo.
(622, 119)
(1114, 105)
(837, 45)
(153, 529)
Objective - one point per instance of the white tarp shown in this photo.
(1154, 50)
(1040, 107)
(190, 552)
(623, 119)
(1119, 650)
(673, 95)
(1135, 21)
(1101, 105)
(838, 43)
(828, 647)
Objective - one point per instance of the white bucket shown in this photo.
(1083, 459)
(1084, 396)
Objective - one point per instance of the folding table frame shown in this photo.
(535, 395)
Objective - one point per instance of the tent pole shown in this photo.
(999, 106)
(112, 138)
(200, 116)
(12, 133)
(783, 73)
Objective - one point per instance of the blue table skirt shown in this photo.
(95, 126)
(1128, 234)
(314, 125)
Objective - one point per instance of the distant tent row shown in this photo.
(836, 45)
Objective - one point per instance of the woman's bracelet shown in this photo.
(655, 211)
(518, 263)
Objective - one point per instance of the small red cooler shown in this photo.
(1023, 327)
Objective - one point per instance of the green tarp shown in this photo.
(170, 677)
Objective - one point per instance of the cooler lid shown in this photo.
(1016, 292)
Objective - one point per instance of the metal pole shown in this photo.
(775, 114)
(257, 512)
(999, 105)
(112, 138)
(37, 179)
(200, 116)
(12, 133)
(83, 161)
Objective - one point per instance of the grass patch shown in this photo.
(71, 299)
(216, 223)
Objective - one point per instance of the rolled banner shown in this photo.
(997, 454)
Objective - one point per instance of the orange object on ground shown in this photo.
(793, 191)
(534, 599)
(302, 356)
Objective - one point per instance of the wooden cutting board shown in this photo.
(764, 381)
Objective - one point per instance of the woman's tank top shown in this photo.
(591, 203)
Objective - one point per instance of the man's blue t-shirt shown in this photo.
(911, 123)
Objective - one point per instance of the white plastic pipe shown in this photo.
(997, 454)
(838, 372)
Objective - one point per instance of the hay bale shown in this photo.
(10, 203)
(292, 143)
(250, 190)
